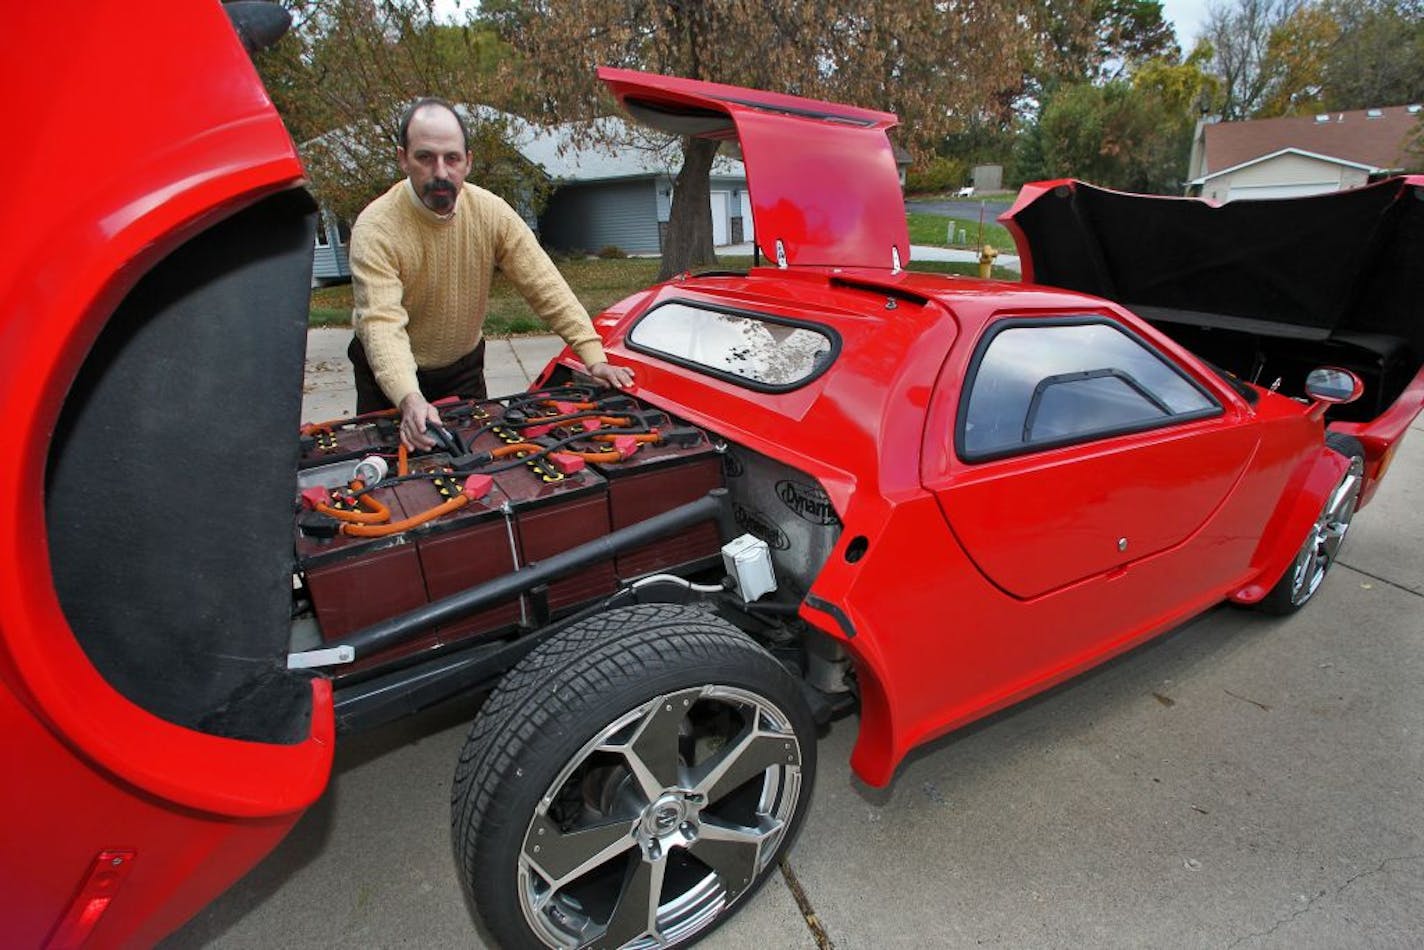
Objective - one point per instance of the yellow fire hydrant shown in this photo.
(986, 260)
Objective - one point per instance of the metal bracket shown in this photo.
(309, 659)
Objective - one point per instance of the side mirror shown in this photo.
(1331, 386)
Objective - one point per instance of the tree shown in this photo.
(1240, 37)
(1378, 57)
(1118, 134)
(935, 64)
(346, 71)
(1100, 40)
(1296, 54)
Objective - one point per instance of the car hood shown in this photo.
(825, 190)
(1310, 267)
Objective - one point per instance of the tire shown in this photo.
(1324, 539)
(650, 750)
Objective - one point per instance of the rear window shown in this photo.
(772, 354)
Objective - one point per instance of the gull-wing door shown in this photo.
(824, 186)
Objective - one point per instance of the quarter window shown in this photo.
(1053, 384)
(756, 350)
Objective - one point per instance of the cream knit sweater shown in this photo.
(421, 282)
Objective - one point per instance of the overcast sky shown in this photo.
(1187, 16)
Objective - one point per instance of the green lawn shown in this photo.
(597, 283)
(934, 229)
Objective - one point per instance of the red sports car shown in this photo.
(839, 486)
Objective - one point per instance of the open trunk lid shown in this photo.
(824, 186)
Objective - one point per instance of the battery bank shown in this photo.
(553, 511)
(348, 440)
(461, 549)
(657, 478)
(356, 582)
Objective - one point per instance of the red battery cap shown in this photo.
(315, 495)
(478, 486)
(625, 445)
(566, 462)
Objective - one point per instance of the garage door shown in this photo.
(1296, 190)
(719, 218)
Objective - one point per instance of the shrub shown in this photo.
(939, 174)
(612, 251)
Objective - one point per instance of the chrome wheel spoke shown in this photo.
(563, 856)
(652, 751)
(751, 754)
(636, 913)
(735, 854)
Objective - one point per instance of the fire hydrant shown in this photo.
(986, 260)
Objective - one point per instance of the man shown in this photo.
(422, 259)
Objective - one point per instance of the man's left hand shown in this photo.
(619, 377)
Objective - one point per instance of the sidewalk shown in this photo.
(510, 366)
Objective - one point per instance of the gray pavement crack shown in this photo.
(1383, 580)
(818, 931)
(1345, 885)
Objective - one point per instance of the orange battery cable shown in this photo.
(405, 524)
(375, 512)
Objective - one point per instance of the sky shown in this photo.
(1187, 16)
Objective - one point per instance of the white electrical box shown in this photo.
(748, 561)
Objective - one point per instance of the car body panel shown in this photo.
(99, 772)
(799, 154)
(1346, 272)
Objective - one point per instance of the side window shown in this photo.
(322, 240)
(343, 234)
(1048, 384)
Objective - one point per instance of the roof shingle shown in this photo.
(1356, 136)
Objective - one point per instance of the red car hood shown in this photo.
(822, 176)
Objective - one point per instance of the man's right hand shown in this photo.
(416, 416)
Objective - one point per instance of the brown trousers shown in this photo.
(464, 378)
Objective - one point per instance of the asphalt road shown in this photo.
(960, 208)
(1243, 781)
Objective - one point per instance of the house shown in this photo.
(620, 194)
(1300, 155)
(329, 261)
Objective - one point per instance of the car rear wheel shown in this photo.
(1324, 539)
(631, 782)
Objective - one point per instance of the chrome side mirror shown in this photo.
(1333, 385)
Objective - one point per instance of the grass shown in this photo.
(596, 282)
(934, 230)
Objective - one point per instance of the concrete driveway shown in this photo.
(1241, 782)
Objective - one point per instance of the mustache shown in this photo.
(439, 186)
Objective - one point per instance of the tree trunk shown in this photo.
(689, 230)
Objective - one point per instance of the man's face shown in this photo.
(435, 159)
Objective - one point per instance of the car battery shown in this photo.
(469, 546)
(649, 478)
(658, 477)
(553, 511)
(354, 582)
(327, 442)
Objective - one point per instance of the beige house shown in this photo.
(1300, 155)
